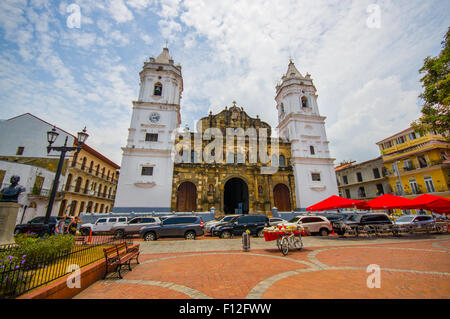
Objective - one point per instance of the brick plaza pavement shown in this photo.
(411, 267)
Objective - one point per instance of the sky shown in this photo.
(363, 57)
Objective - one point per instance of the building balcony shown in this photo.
(88, 192)
(43, 193)
(93, 172)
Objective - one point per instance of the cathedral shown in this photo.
(232, 162)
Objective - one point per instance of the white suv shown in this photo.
(314, 224)
(102, 225)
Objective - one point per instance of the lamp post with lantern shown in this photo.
(51, 138)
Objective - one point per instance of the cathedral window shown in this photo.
(158, 89)
(315, 177)
(148, 171)
(151, 137)
(311, 149)
(282, 161)
(305, 101)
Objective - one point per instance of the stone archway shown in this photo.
(235, 195)
(281, 198)
(186, 197)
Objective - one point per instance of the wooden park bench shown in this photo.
(119, 255)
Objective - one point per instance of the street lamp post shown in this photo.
(51, 138)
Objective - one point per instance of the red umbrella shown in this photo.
(431, 202)
(335, 202)
(388, 201)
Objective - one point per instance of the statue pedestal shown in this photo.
(8, 217)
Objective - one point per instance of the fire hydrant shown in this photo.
(246, 241)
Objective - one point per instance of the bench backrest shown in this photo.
(110, 252)
(120, 247)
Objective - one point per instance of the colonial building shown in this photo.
(362, 181)
(417, 164)
(232, 162)
(87, 183)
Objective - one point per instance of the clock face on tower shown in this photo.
(154, 117)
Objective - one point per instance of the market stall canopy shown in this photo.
(336, 202)
(388, 201)
(433, 203)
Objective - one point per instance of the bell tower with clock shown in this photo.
(145, 182)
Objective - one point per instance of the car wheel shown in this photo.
(260, 233)
(150, 236)
(323, 232)
(119, 233)
(225, 234)
(85, 231)
(190, 235)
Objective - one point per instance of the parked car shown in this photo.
(314, 224)
(372, 219)
(276, 220)
(37, 226)
(416, 222)
(133, 226)
(239, 224)
(175, 226)
(102, 225)
(209, 227)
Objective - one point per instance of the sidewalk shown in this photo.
(325, 268)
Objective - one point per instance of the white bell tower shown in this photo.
(145, 181)
(300, 123)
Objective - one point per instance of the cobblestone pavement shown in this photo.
(332, 267)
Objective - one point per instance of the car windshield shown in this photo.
(219, 218)
(352, 218)
(405, 219)
(228, 218)
(294, 220)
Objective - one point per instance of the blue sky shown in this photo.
(367, 77)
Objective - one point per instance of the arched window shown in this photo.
(68, 182)
(78, 184)
(282, 108)
(83, 164)
(311, 149)
(282, 161)
(91, 166)
(305, 101)
(158, 89)
(81, 208)
(86, 187)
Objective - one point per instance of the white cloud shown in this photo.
(119, 11)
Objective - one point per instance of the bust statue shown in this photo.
(11, 193)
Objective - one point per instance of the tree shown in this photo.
(436, 83)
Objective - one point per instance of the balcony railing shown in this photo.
(88, 192)
(94, 172)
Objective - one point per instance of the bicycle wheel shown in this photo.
(279, 243)
(284, 246)
(297, 242)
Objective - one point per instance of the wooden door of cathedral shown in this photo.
(281, 198)
(187, 197)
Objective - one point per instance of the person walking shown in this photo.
(59, 227)
(73, 226)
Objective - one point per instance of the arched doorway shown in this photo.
(281, 198)
(187, 197)
(235, 196)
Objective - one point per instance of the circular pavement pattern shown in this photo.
(413, 269)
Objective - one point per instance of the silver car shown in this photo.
(276, 220)
(415, 222)
(134, 226)
(209, 227)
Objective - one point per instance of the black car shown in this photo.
(174, 226)
(238, 225)
(361, 220)
(37, 226)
